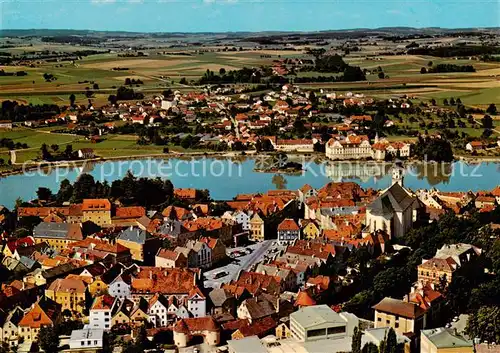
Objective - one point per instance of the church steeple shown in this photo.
(397, 174)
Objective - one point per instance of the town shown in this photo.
(335, 269)
(381, 233)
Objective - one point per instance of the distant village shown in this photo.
(280, 271)
(343, 126)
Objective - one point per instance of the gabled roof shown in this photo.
(134, 235)
(44, 312)
(399, 307)
(394, 199)
(196, 324)
(288, 224)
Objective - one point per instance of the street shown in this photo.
(240, 263)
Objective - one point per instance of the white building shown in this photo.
(395, 210)
(320, 322)
(197, 303)
(352, 147)
(158, 310)
(119, 288)
(86, 339)
(100, 312)
(242, 218)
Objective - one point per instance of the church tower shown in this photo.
(397, 174)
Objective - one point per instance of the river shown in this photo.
(225, 178)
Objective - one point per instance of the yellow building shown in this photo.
(257, 228)
(68, 292)
(97, 211)
(57, 235)
(402, 316)
(310, 231)
(283, 331)
(98, 287)
(442, 340)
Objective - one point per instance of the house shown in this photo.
(100, 312)
(69, 293)
(86, 339)
(288, 231)
(297, 145)
(223, 301)
(57, 235)
(256, 308)
(259, 328)
(142, 245)
(320, 322)
(97, 211)
(257, 228)
(166, 258)
(186, 329)
(310, 231)
(157, 310)
(306, 192)
(217, 248)
(120, 314)
(6, 124)
(9, 327)
(403, 317)
(187, 194)
(86, 153)
(444, 340)
(394, 211)
(447, 260)
(203, 253)
(45, 312)
(474, 146)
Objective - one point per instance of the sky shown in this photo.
(245, 15)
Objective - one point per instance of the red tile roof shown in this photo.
(96, 205)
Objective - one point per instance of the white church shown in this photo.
(395, 210)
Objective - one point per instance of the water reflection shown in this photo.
(433, 173)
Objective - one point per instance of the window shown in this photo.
(315, 333)
(82, 343)
(396, 325)
(106, 319)
(336, 330)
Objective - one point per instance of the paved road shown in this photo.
(232, 269)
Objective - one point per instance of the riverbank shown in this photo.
(315, 157)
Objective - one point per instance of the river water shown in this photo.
(225, 178)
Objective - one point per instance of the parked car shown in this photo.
(220, 274)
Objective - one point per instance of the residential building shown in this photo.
(449, 259)
(142, 245)
(85, 153)
(69, 293)
(45, 312)
(403, 317)
(202, 252)
(217, 247)
(57, 235)
(9, 328)
(97, 211)
(257, 228)
(288, 231)
(444, 340)
(166, 258)
(100, 312)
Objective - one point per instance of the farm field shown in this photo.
(163, 68)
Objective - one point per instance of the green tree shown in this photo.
(112, 99)
(423, 70)
(485, 324)
(46, 156)
(44, 194)
(370, 348)
(492, 109)
(48, 339)
(72, 99)
(54, 147)
(356, 340)
(487, 122)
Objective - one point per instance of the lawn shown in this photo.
(35, 138)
